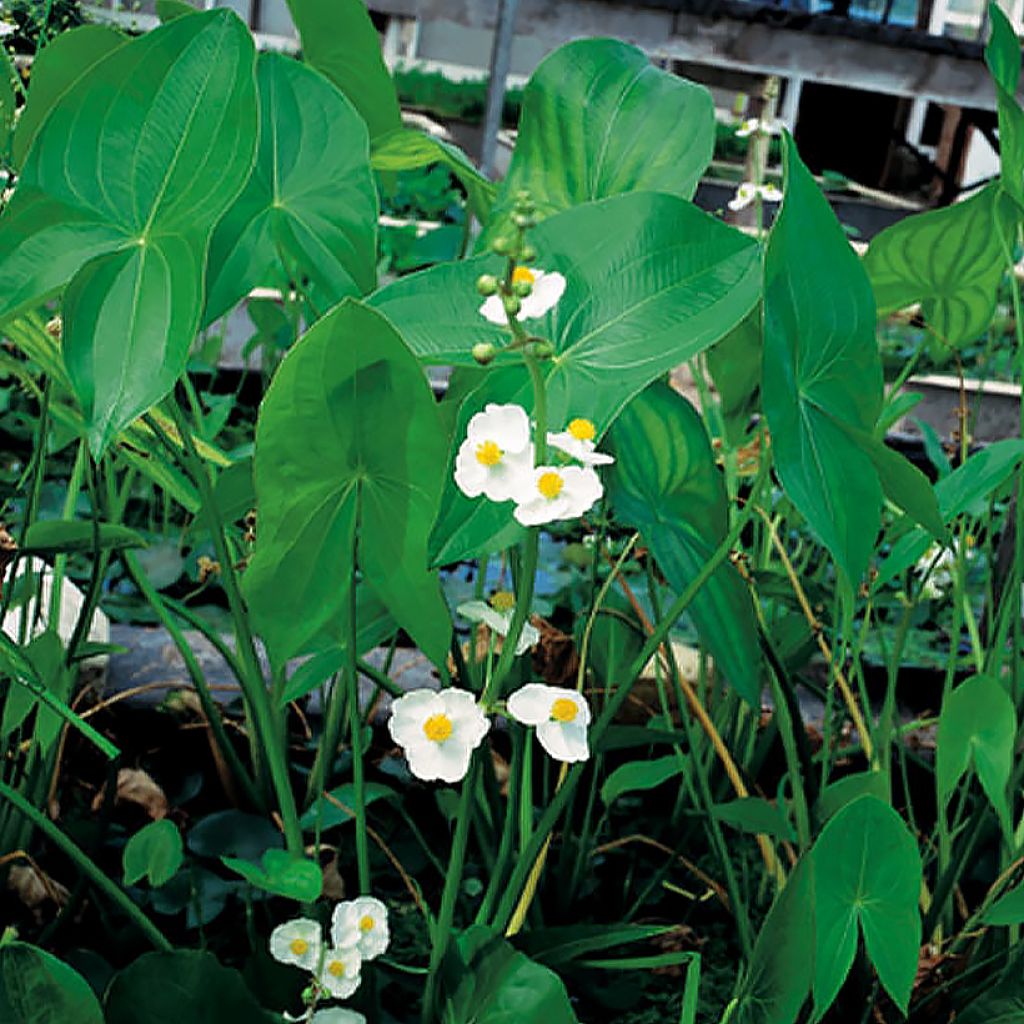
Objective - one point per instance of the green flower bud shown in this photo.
(523, 220)
(484, 352)
(487, 284)
(511, 303)
(502, 245)
(543, 349)
(522, 288)
(528, 253)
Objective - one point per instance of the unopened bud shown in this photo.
(502, 245)
(543, 349)
(487, 284)
(523, 220)
(522, 288)
(528, 253)
(511, 303)
(484, 352)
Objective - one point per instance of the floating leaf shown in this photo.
(300, 215)
(599, 119)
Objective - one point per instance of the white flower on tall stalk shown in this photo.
(561, 717)
(546, 288)
(497, 616)
(496, 455)
(577, 440)
(297, 942)
(755, 124)
(337, 1015)
(557, 492)
(362, 923)
(438, 730)
(936, 565)
(340, 972)
(748, 192)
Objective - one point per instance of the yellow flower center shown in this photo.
(564, 710)
(503, 601)
(366, 923)
(438, 728)
(488, 454)
(550, 484)
(336, 969)
(299, 946)
(583, 430)
(521, 274)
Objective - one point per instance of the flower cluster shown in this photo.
(359, 932)
(497, 459)
(936, 566)
(749, 191)
(534, 293)
(439, 730)
(755, 125)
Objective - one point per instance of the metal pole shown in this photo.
(501, 58)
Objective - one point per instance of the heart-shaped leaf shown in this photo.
(123, 184)
(299, 216)
(822, 371)
(155, 852)
(957, 283)
(282, 874)
(348, 434)
(665, 484)
(867, 879)
(599, 119)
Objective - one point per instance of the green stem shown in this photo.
(356, 732)
(87, 866)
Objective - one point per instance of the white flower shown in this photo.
(498, 617)
(546, 288)
(340, 972)
(496, 455)
(337, 1015)
(438, 731)
(560, 715)
(363, 923)
(748, 191)
(557, 492)
(7, 29)
(577, 440)
(753, 124)
(937, 565)
(297, 942)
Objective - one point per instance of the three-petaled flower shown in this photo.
(577, 440)
(556, 492)
(297, 942)
(498, 616)
(339, 974)
(756, 124)
(361, 923)
(545, 289)
(560, 715)
(438, 731)
(496, 453)
(749, 191)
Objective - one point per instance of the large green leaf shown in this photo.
(316, 217)
(666, 484)
(651, 281)
(778, 979)
(735, 366)
(950, 260)
(57, 70)
(349, 443)
(1002, 54)
(169, 988)
(36, 988)
(340, 41)
(599, 119)
(867, 877)
(118, 194)
(977, 727)
(821, 371)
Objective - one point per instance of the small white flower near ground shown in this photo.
(557, 492)
(748, 192)
(577, 440)
(7, 29)
(438, 731)
(297, 942)
(497, 616)
(942, 563)
(546, 288)
(340, 973)
(361, 923)
(496, 455)
(337, 1015)
(560, 715)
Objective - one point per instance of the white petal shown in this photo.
(408, 714)
(494, 311)
(564, 741)
(341, 986)
(303, 929)
(469, 723)
(470, 474)
(338, 1015)
(770, 194)
(347, 930)
(582, 489)
(507, 425)
(531, 704)
(541, 510)
(529, 636)
(547, 290)
(507, 479)
(481, 611)
(448, 761)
